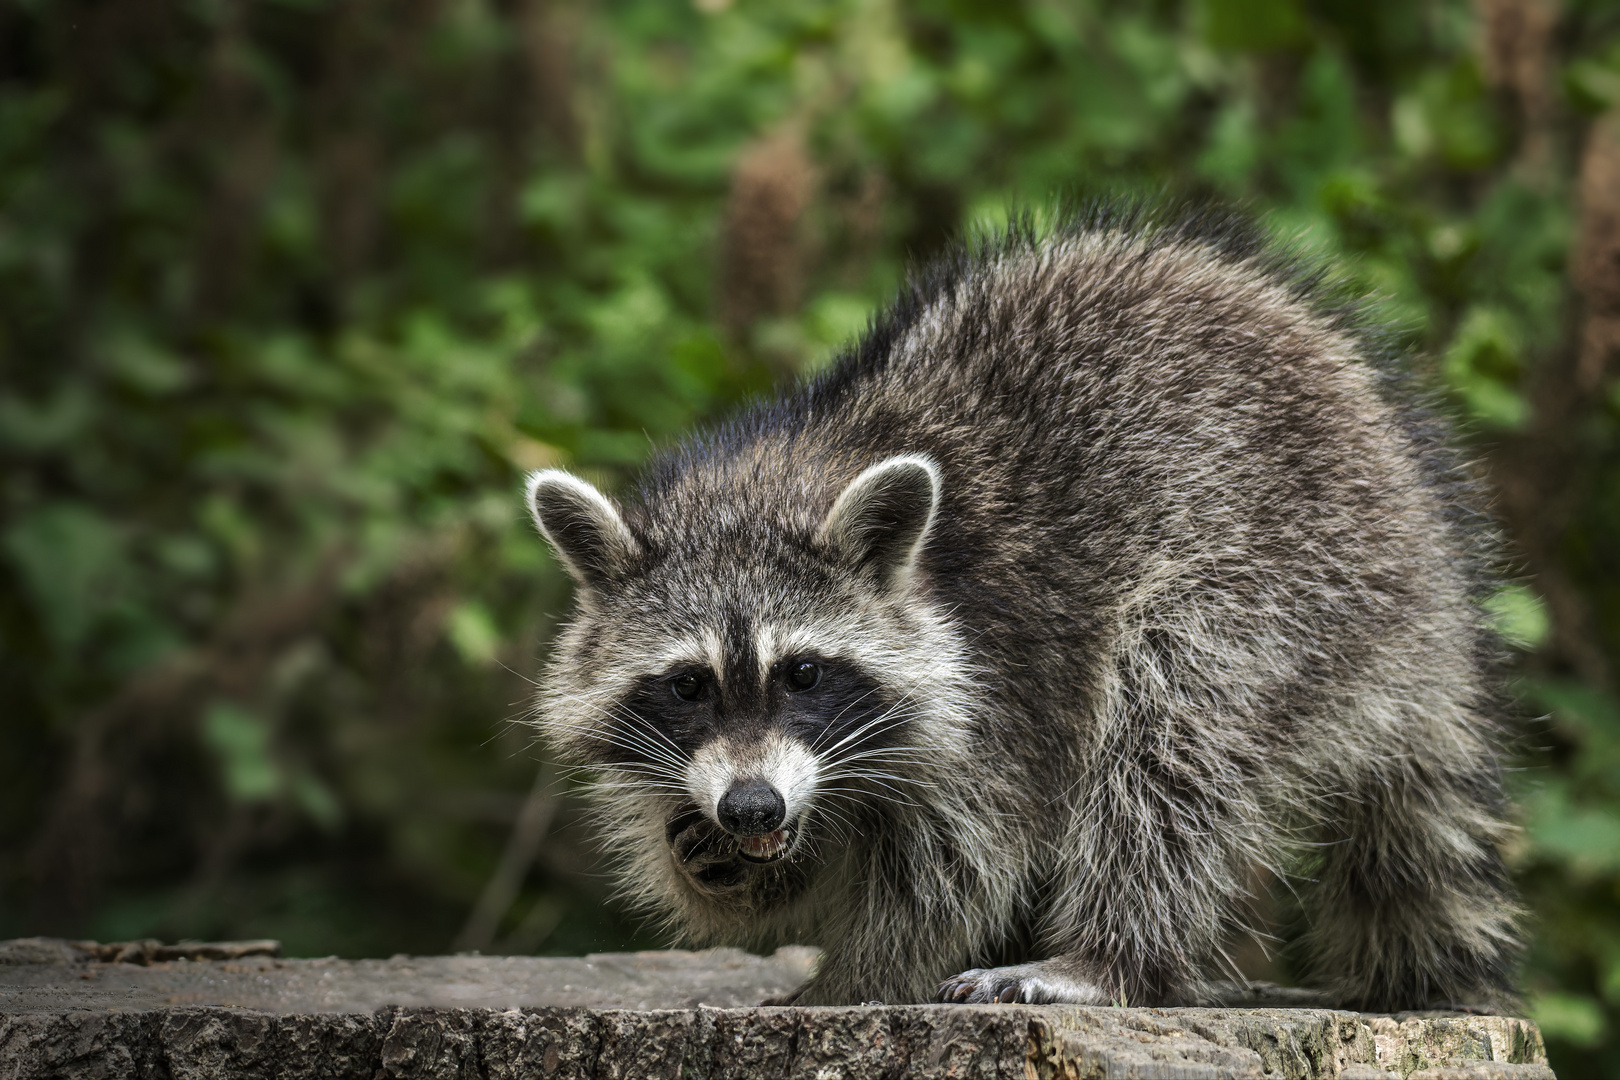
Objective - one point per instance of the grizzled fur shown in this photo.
(1127, 581)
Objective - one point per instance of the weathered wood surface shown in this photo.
(66, 1013)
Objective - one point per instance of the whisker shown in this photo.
(891, 796)
(816, 745)
(882, 721)
(665, 764)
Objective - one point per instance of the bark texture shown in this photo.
(653, 1015)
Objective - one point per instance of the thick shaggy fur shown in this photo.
(1130, 580)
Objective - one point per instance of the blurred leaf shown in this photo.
(142, 365)
(1587, 840)
(471, 629)
(1482, 366)
(1568, 1016)
(317, 800)
(1593, 82)
(71, 559)
(1255, 25)
(1583, 711)
(241, 740)
(49, 425)
(1519, 615)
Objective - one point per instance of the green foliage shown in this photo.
(292, 293)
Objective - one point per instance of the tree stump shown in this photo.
(144, 1010)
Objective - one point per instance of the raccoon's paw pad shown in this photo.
(1025, 984)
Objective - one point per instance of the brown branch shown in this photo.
(522, 847)
(763, 253)
(1516, 54)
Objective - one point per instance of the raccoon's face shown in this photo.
(749, 750)
(755, 678)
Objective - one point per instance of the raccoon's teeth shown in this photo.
(764, 848)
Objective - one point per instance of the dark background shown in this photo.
(293, 291)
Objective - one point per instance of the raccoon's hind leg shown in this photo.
(1411, 906)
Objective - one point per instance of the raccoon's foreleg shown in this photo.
(1130, 925)
(1411, 907)
(911, 908)
(888, 960)
(1151, 874)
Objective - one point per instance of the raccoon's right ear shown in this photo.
(881, 519)
(582, 525)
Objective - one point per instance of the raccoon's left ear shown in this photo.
(880, 520)
(583, 526)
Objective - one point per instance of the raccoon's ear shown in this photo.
(880, 520)
(582, 525)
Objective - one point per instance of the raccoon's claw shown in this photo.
(985, 987)
(1026, 984)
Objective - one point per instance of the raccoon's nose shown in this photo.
(751, 808)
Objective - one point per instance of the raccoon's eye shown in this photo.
(803, 676)
(688, 687)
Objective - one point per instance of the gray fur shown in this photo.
(1130, 578)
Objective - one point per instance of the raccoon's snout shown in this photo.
(751, 808)
(756, 792)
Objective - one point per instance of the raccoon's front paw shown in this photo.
(1029, 984)
(704, 852)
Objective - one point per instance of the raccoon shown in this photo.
(1109, 572)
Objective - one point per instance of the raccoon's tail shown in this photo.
(1411, 906)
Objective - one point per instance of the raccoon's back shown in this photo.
(1124, 408)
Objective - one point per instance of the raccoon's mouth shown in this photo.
(768, 848)
(711, 855)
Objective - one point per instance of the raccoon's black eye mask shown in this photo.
(795, 676)
(829, 704)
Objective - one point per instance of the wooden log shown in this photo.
(65, 1012)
